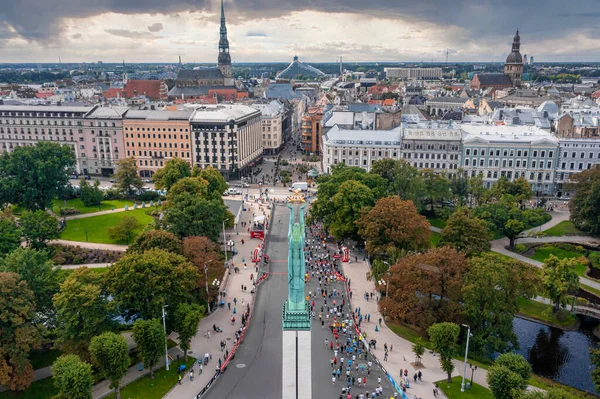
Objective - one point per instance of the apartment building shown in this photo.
(102, 145)
(272, 118)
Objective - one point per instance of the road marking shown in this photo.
(240, 365)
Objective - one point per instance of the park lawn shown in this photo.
(40, 389)
(452, 390)
(409, 333)
(76, 203)
(97, 226)
(436, 222)
(146, 388)
(41, 359)
(544, 251)
(543, 312)
(590, 289)
(566, 227)
(434, 238)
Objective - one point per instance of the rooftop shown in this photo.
(222, 112)
(299, 69)
(107, 113)
(347, 137)
(473, 133)
(271, 109)
(43, 108)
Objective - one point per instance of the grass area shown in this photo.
(565, 227)
(41, 389)
(590, 289)
(542, 253)
(547, 384)
(97, 226)
(41, 359)
(543, 312)
(436, 222)
(146, 388)
(408, 333)
(452, 390)
(434, 238)
(76, 203)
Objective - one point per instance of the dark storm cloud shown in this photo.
(481, 18)
(155, 27)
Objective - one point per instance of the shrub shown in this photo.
(520, 248)
(582, 301)
(112, 194)
(68, 255)
(594, 258)
(148, 196)
(283, 162)
(69, 211)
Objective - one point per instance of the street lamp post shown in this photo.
(206, 278)
(388, 279)
(166, 346)
(462, 386)
(225, 243)
(86, 237)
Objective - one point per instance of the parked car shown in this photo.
(242, 185)
(232, 191)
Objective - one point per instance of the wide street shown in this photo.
(255, 372)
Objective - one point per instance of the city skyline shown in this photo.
(157, 32)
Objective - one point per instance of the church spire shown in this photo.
(224, 60)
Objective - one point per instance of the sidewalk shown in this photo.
(401, 357)
(201, 344)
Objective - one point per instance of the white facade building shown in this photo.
(511, 151)
(24, 125)
(432, 145)
(272, 115)
(226, 137)
(413, 73)
(359, 147)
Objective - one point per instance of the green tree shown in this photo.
(10, 235)
(585, 205)
(466, 233)
(175, 169)
(150, 338)
(490, 290)
(559, 278)
(436, 187)
(349, 202)
(18, 334)
(156, 239)
(38, 228)
(187, 318)
(195, 186)
(142, 283)
(204, 253)
(519, 188)
(478, 194)
(124, 230)
(32, 176)
(110, 353)
(506, 217)
(393, 223)
(192, 215)
(216, 182)
(128, 181)
(444, 337)
(72, 377)
(459, 186)
(403, 179)
(82, 311)
(418, 349)
(508, 376)
(38, 271)
(90, 195)
(595, 361)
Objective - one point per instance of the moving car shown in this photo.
(302, 186)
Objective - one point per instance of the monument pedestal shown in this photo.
(296, 365)
(296, 319)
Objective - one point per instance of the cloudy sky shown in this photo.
(275, 30)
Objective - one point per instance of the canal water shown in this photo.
(557, 354)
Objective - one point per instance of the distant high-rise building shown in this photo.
(524, 59)
(531, 60)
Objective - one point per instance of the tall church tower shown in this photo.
(224, 63)
(514, 62)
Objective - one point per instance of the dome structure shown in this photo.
(298, 70)
(515, 56)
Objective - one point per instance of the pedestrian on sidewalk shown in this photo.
(192, 375)
(380, 320)
(179, 379)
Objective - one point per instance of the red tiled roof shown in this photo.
(148, 88)
(596, 94)
(388, 102)
(113, 92)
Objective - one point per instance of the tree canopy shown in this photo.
(444, 337)
(174, 170)
(160, 239)
(127, 180)
(393, 223)
(585, 205)
(91, 195)
(349, 202)
(150, 338)
(508, 376)
(426, 288)
(110, 353)
(142, 283)
(193, 215)
(19, 336)
(32, 176)
(82, 311)
(466, 233)
(202, 252)
(10, 234)
(124, 230)
(216, 182)
(186, 320)
(559, 280)
(38, 228)
(490, 290)
(72, 377)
